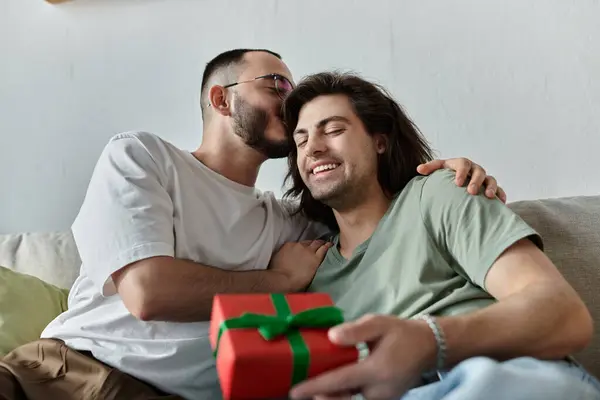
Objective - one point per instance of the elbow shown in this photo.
(140, 307)
(135, 287)
(582, 328)
(144, 315)
(577, 327)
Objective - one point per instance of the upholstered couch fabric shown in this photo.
(570, 228)
(52, 257)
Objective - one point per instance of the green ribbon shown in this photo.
(285, 323)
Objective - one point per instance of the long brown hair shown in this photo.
(406, 147)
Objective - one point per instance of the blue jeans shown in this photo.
(521, 378)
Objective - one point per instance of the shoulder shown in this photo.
(439, 196)
(441, 186)
(135, 142)
(132, 156)
(141, 149)
(442, 178)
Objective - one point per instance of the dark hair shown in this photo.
(223, 61)
(406, 147)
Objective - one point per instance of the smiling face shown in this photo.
(336, 156)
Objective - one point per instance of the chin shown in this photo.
(276, 135)
(322, 195)
(275, 130)
(330, 195)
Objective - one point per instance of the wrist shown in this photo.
(435, 349)
(277, 281)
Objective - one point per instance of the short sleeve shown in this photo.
(127, 214)
(473, 230)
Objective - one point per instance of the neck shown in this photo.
(357, 223)
(230, 158)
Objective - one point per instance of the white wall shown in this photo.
(512, 84)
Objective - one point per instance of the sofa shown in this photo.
(569, 226)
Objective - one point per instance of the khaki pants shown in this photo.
(49, 370)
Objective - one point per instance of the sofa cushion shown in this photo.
(570, 228)
(27, 305)
(52, 257)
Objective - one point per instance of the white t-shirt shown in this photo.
(148, 198)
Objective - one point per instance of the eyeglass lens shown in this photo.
(283, 86)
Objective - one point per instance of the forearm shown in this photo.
(170, 289)
(544, 320)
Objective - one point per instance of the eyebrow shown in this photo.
(322, 123)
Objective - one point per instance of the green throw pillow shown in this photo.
(27, 305)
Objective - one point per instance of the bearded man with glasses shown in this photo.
(162, 230)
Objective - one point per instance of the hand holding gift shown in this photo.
(266, 343)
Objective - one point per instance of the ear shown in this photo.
(380, 141)
(218, 100)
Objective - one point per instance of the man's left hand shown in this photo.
(466, 168)
(400, 351)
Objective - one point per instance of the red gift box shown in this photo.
(266, 343)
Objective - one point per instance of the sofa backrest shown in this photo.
(52, 257)
(570, 228)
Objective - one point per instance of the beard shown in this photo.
(344, 193)
(250, 124)
(338, 196)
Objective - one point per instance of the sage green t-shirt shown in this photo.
(429, 254)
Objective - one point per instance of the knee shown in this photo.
(486, 372)
(483, 366)
(518, 378)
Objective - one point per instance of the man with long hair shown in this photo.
(452, 292)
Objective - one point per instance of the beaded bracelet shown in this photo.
(440, 340)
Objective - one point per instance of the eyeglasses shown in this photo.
(282, 84)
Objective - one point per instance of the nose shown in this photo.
(314, 145)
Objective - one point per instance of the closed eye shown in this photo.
(300, 143)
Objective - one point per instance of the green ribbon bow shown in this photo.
(285, 323)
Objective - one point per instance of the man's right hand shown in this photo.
(297, 263)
